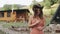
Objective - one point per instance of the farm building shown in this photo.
(16, 15)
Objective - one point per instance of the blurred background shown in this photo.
(14, 14)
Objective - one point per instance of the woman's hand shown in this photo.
(30, 26)
(36, 22)
(40, 28)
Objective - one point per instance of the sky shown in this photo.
(22, 2)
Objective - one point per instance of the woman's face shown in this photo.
(37, 11)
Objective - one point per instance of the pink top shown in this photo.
(37, 29)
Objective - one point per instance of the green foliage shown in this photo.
(1, 32)
(42, 3)
(58, 1)
(17, 24)
(52, 12)
(53, 1)
(47, 20)
(7, 7)
(33, 2)
(15, 6)
(47, 3)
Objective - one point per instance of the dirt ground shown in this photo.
(8, 31)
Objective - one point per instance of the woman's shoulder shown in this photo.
(31, 16)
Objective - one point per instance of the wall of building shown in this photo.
(11, 18)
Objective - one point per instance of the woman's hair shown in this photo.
(38, 6)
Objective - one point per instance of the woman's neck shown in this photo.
(36, 16)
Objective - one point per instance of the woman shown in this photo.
(36, 22)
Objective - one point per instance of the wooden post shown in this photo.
(12, 8)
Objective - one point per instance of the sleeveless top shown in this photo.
(40, 24)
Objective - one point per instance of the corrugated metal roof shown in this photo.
(14, 9)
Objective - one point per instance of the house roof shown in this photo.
(15, 10)
(21, 7)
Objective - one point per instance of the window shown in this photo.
(1, 14)
(8, 14)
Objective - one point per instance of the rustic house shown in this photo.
(16, 15)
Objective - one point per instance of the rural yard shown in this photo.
(15, 16)
(9, 31)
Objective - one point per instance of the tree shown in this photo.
(33, 2)
(47, 3)
(15, 6)
(53, 1)
(58, 1)
(7, 7)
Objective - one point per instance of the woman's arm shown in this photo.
(36, 22)
(42, 26)
(32, 24)
(29, 22)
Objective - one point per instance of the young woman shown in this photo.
(36, 22)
